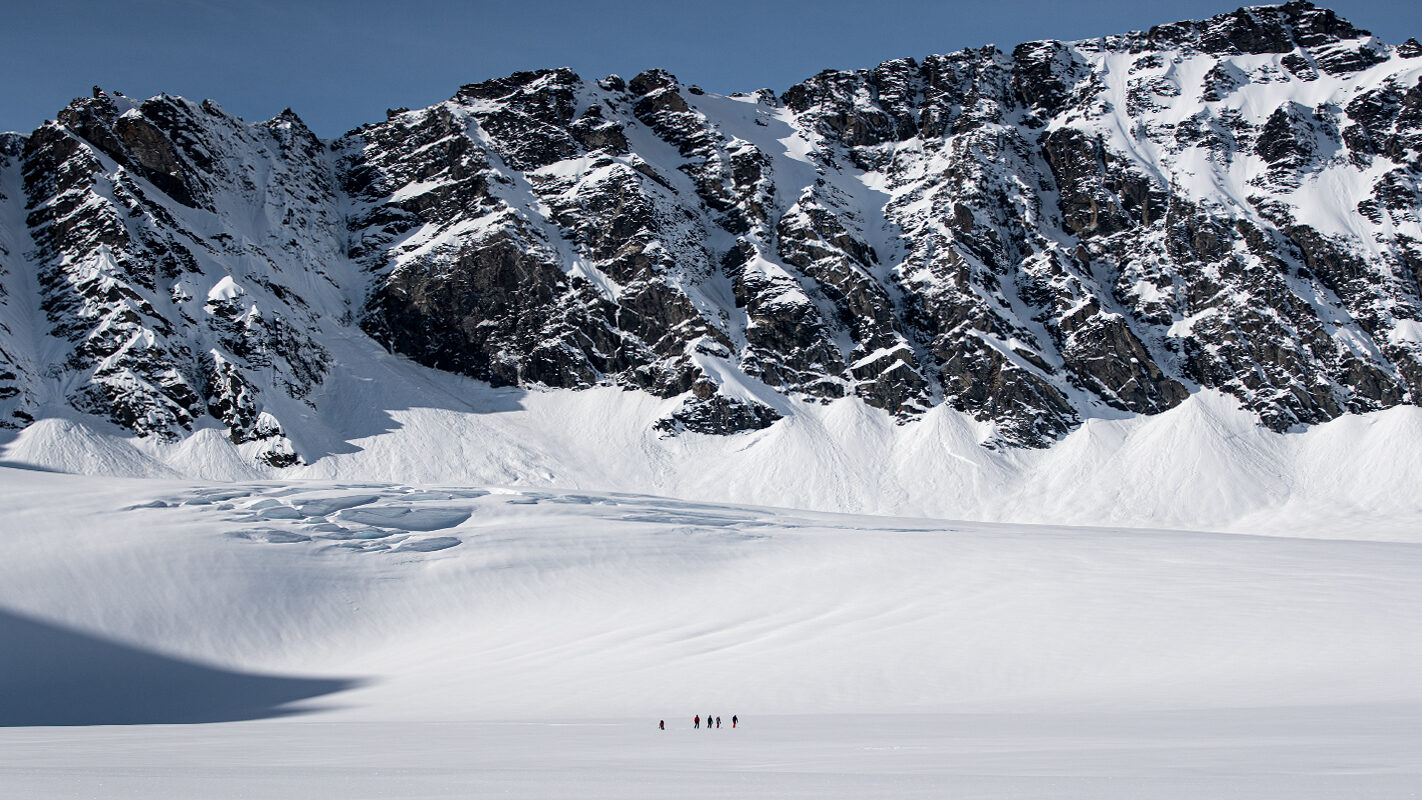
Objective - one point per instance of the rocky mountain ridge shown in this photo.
(1034, 237)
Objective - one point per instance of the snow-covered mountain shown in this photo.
(495, 432)
(1024, 241)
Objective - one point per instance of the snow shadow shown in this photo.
(51, 675)
(359, 401)
(27, 465)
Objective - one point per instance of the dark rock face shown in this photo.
(125, 277)
(705, 411)
(16, 379)
(508, 293)
(1033, 237)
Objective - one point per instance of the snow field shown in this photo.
(555, 605)
(442, 642)
(1301, 754)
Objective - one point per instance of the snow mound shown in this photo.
(68, 445)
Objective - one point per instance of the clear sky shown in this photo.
(340, 63)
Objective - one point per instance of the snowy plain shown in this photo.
(348, 637)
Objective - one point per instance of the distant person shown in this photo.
(734, 718)
(696, 722)
(662, 725)
(718, 722)
(708, 722)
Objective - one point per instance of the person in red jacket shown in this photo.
(696, 722)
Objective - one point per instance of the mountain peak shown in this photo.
(1251, 30)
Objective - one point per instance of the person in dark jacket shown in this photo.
(734, 719)
(662, 725)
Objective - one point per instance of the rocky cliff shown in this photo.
(1034, 237)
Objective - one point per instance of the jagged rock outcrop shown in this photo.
(16, 376)
(133, 210)
(1033, 236)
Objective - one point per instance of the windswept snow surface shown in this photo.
(475, 641)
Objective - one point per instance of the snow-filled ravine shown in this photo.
(177, 638)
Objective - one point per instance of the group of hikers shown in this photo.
(711, 722)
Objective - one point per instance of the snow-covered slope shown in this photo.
(460, 603)
(456, 641)
(1205, 465)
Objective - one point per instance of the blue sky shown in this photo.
(339, 64)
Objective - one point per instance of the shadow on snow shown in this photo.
(51, 675)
